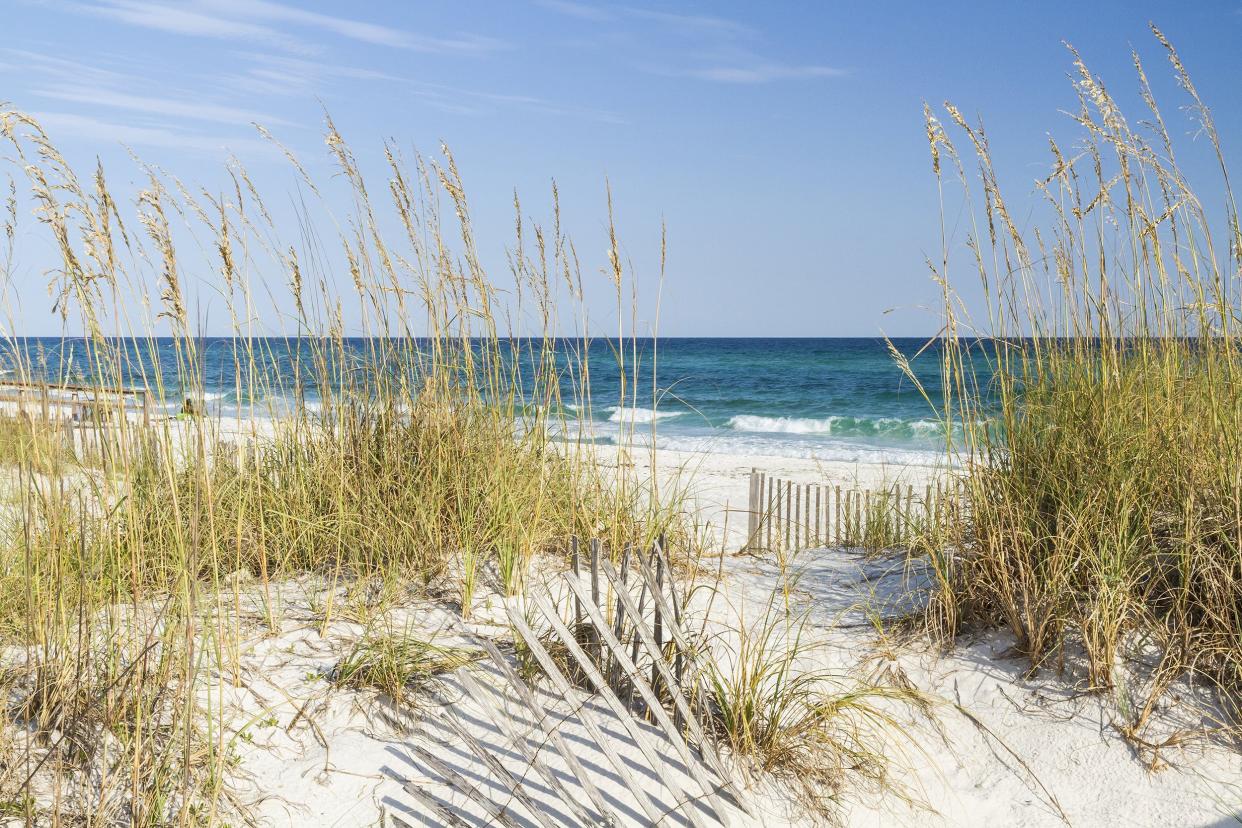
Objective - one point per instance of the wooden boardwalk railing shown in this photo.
(79, 402)
(95, 423)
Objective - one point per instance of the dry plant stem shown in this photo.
(136, 552)
(1094, 402)
(821, 731)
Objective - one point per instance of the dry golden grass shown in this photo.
(1101, 389)
(429, 467)
(825, 732)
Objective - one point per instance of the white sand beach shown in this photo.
(568, 413)
(997, 748)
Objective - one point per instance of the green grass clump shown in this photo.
(1100, 384)
(25, 442)
(397, 665)
(822, 730)
(424, 495)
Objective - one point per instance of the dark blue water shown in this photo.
(831, 399)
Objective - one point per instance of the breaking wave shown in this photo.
(836, 426)
(620, 414)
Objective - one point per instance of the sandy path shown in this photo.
(1032, 751)
(718, 484)
(1026, 752)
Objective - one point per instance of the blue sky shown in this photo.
(781, 143)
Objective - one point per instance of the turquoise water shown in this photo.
(831, 399)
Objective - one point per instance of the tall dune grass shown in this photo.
(1100, 386)
(429, 464)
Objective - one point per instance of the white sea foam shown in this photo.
(619, 414)
(926, 428)
(782, 425)
(723, 441)
(794, 447)
(836, 425)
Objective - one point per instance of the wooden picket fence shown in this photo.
(620, 637)
(784, 516)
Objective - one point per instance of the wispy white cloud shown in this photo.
(529, 103)
(265, 21)
(190, 20)
(196, 109)
(582, 11)
(62, 125)
(373, 33)
(161, 108)
(94, 86)
(286, 75)
(48, 66)
(707, 47)
(695, 23)
(761, 73)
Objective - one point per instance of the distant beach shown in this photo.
(834, 400)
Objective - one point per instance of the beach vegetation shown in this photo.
(1100, 389)
(827, 731)
(427, 458)
(397, 664)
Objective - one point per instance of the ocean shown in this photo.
(828, 399)
(831, 399)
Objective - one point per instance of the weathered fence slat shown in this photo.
(677, 693)
(458, 783)
(536, 708)
(574, 562)
(646, 801)
(605, 693)
(657, 590)
(650, 699)
(752, 516)
(768, 514)
(516, 789)
(628, 611)
(519, 744)
(784, 516)
(438, 806)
